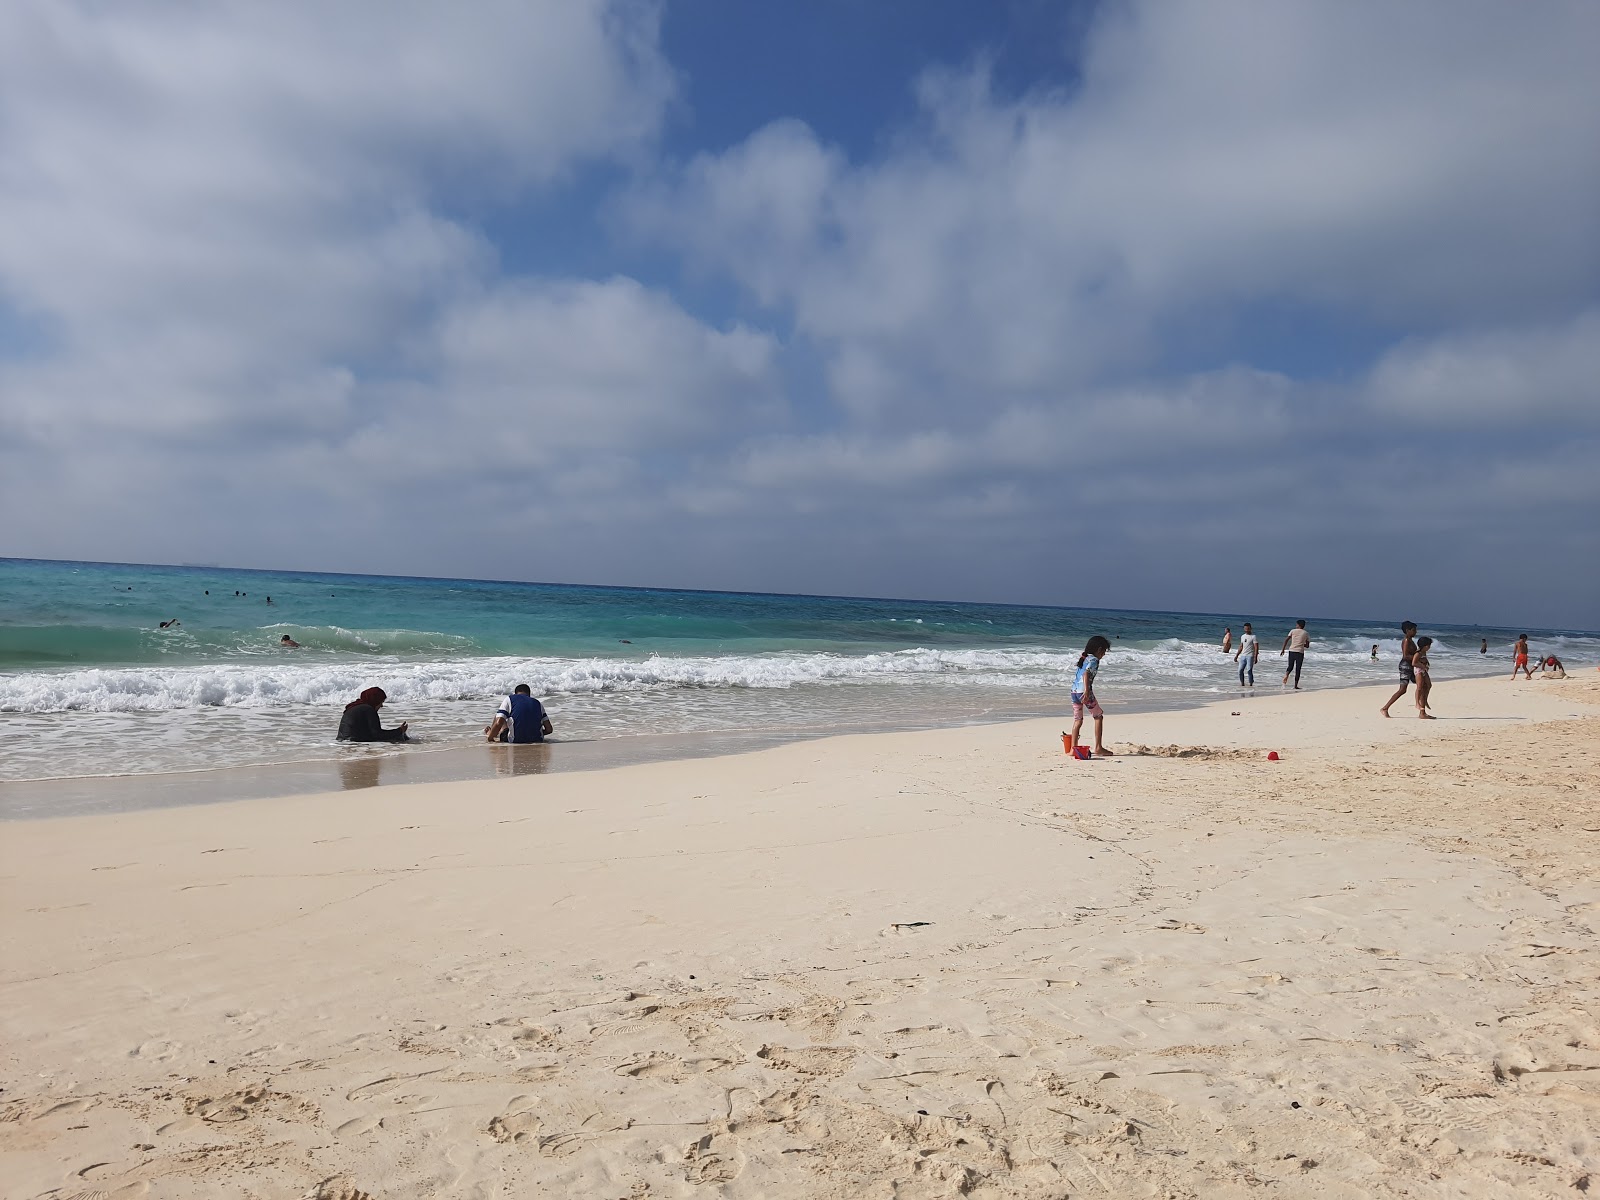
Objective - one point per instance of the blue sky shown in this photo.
(1211, 306)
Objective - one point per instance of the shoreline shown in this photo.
(932, 962)
(351, 768)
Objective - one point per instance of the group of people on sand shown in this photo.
(1295, 645)
(1415, 671)
(1549, 664)
(520, 719)
(1415, 667)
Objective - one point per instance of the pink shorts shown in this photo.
(1089, 703)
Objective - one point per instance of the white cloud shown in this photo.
(244, 318)
(1410, 167)
(210, 209)
(1540, 381)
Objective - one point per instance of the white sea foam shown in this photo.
(57, 724)
(1169, 665)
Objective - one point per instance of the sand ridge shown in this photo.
(951, 963)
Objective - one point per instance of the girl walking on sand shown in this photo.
(1419, 666)
(1083, 698)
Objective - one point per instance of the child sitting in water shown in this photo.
(1419, 664)
(1083, 698)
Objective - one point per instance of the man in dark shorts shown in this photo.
(1295, 645)
(1408, 651)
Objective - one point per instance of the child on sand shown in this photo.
(1083, 698)
(1419, 666)
(1522, 657)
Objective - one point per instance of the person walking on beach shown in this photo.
(1419, 665)
(1408, 651)
(360, 721)
(1083, 700)
(1295, 645)
(1249, 650)
(1227, 639)
(1522, 657)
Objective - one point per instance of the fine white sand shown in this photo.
(909, 965)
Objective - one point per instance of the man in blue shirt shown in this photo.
(519, 719)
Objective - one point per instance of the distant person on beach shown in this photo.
(288, 643)
(1484, 649)
(1553, 665)
(360, 721)
(1374, 651)
(1227, 639)
(1419, 666)
(1083, 700)
(1249, 650)
(172, 624)
(1295, 646)
(1521, 663)
(1408, 671)
(520, 719)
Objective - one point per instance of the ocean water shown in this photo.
(91, 686)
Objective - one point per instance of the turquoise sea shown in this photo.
(91, 686)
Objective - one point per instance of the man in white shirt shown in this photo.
(1249, 650)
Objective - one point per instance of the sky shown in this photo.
(1217, 306)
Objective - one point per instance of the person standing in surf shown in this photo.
(1083, 699)
(1227, 639)
(1249, 650)
(1295, 646)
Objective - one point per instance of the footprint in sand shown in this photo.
(157, 1049)
(126, 1191)
(535, 1037)
(357, 1126)
(338, 1188)
(517, 1124)
(901, 928)
(560, 1145)
(714, 1158)
(670, 1067)
(387, 1084)
(229, 1109)
(66, 1108)
(808, 1060)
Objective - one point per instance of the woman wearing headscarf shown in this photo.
(360, 721)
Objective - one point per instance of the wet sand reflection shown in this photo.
(364, 771)
(532, 758)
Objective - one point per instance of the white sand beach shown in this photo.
(950, 963)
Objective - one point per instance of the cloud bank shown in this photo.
(1289, 308)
